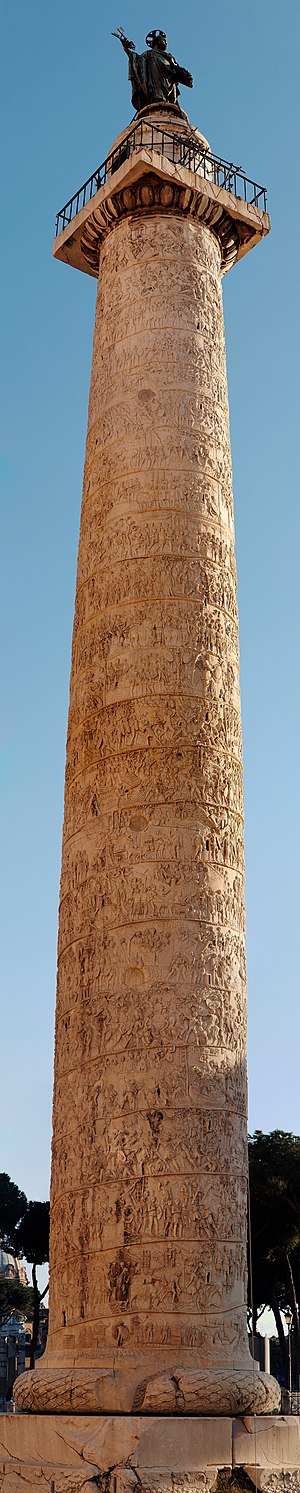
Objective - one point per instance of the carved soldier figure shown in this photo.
(154, 75)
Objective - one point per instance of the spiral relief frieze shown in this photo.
(149, 1167)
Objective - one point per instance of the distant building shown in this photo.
(11, 1267)
(13, 1329)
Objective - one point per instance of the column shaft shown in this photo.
(149, 1171)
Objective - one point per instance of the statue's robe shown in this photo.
(154, 77)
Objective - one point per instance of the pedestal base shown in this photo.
(120, 1454)
(134, 1390)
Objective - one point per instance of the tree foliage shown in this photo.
(14, 1297)
(274, 1167)
(33, 1233)
(13, 1204)
(24, 1229)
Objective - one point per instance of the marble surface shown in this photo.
(127, 1454)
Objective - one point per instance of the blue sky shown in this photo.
(65, 97)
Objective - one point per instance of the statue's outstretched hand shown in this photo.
(183, 76)
(188, 78)
(120, 35)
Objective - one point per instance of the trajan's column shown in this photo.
(149, 1169)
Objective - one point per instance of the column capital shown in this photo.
(162, 165)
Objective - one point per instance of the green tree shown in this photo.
(14, 1297)
(33, 1242)
(24, 1229)
(13, 1204)
(274, 1166)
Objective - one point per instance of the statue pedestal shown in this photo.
(79, 1454)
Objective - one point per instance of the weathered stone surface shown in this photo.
(116, 1454)
(127, 1454)
(271, 1442)
(276, 1481)
(149, 1160)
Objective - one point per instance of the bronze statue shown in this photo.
(154, 75)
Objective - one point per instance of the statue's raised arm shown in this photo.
(154, 75)
(120, 35)
(184, 76)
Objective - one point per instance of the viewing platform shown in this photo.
(234, 206)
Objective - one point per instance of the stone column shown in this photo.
(149, 1171)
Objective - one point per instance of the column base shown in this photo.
(135, 1390)
(139, 1454)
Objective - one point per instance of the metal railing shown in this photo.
(182, 151)
(290, 1402)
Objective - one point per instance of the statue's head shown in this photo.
(157, 39)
